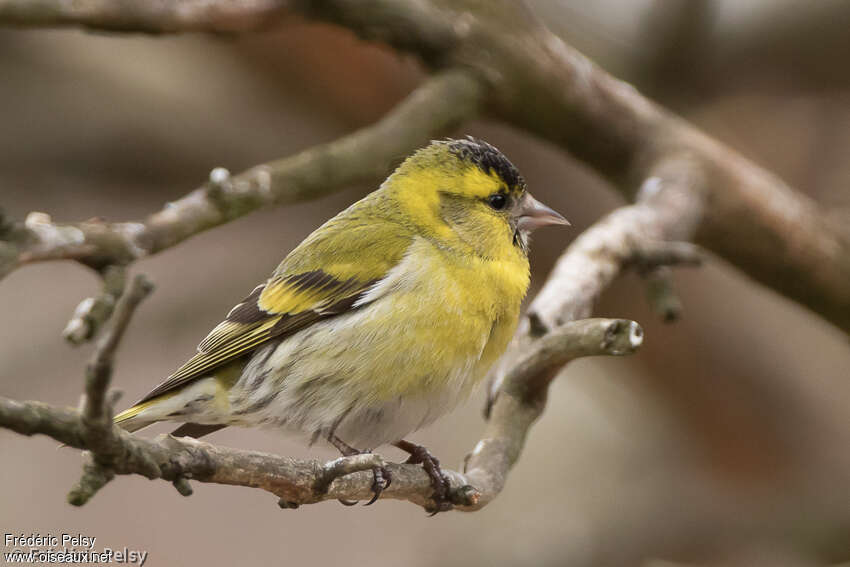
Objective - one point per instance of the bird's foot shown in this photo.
(421, 455)
(381, 477)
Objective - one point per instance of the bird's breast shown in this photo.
(447, 317)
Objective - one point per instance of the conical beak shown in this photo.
(533, 214)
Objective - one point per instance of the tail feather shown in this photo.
(168, 407)
(132, 419)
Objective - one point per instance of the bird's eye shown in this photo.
(497, 201)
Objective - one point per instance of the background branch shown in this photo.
(776, 235)
(222, 16)
(439, 104)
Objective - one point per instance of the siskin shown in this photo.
(381, 321)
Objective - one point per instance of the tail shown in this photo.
(145, 413)
(135, 418)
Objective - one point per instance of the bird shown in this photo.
(379, 322)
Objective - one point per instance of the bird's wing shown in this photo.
(325, 276)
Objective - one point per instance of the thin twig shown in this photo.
(99, 369)
(668, 208)
(93, 312)
(661, 294)
(97, 405)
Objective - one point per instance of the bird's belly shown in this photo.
(371, 376)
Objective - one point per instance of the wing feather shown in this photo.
(321, 278)
(231, 339)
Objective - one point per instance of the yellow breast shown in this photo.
(449, 317)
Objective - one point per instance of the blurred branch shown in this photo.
(662, 296)
(435, 107)
(776, 235)
(296, 482)
(676, 41)
(152, 17)
(806, 42)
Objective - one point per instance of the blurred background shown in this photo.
(726, 440)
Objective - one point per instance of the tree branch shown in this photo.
(92, 312)
(435, 107)
(98, 403)
(297, 482)
(668, 208)
(222, 16)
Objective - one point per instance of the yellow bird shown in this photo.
(381, 321)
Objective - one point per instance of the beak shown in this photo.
(532, 214)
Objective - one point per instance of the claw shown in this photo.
(420, 455)
(381, 475)
(381, 481)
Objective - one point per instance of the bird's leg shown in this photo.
(421, 455)
(381, 475)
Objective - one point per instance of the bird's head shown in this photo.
(471, 188)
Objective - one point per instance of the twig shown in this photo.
(436, 106)
(668, 208)
(95, 410)
(650, 256)
(662, 295)
(93, 312)
(97, 405)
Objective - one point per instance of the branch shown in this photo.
(435, 107)
(92, 312)
(296, 482)
(96, 426)
(668, 208)
(227, 16)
